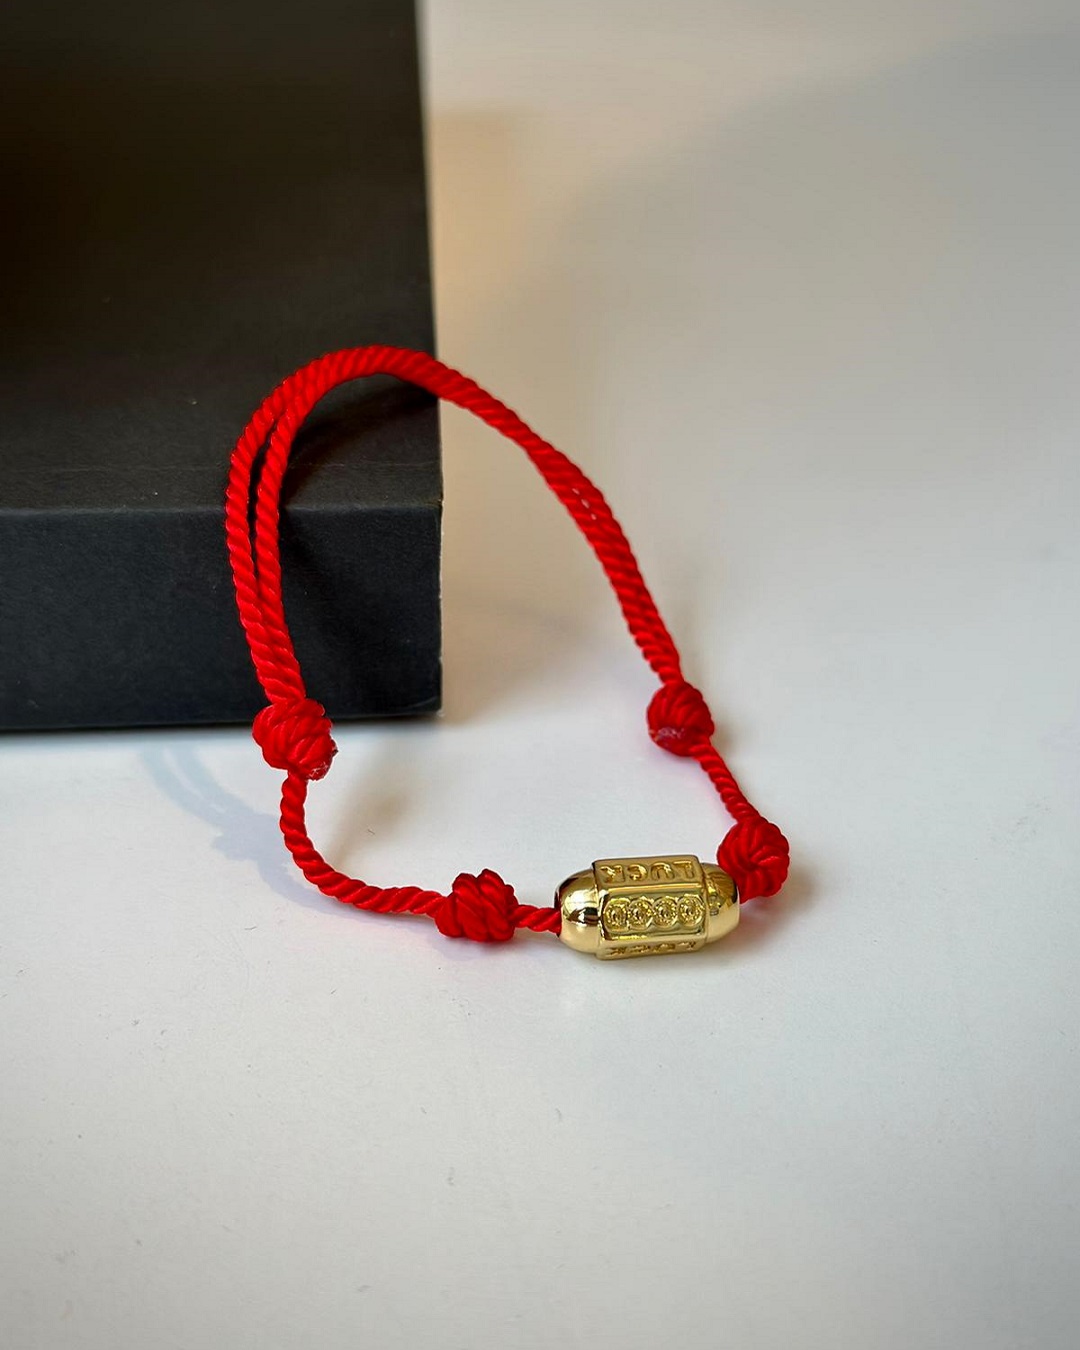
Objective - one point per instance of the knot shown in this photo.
(481, 908)
(295, 736)
(756, 855)
(679, 718)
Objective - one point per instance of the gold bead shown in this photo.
(646, 906)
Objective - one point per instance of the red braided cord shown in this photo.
(294, 732)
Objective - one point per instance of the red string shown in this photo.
(294, 731)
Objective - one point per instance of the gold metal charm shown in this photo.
(646, 906)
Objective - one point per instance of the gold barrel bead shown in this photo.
(622, 907)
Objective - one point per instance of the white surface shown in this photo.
(799, 285)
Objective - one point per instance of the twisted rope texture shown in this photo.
(294, 731)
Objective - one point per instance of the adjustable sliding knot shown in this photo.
(756, 854)
(679, 718)
(295, 736)
(481, 907)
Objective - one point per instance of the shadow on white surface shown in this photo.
(378, 802)
(243, 834)
(762, 921)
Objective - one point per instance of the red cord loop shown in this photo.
(679, 718)
(294, 731)
(295, 736)
(482, 908)
(756, 854)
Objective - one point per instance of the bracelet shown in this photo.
(616, 908)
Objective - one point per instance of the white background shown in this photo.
(798, 285)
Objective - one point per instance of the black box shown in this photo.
(199, 198)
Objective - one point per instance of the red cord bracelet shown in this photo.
(619, 906)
